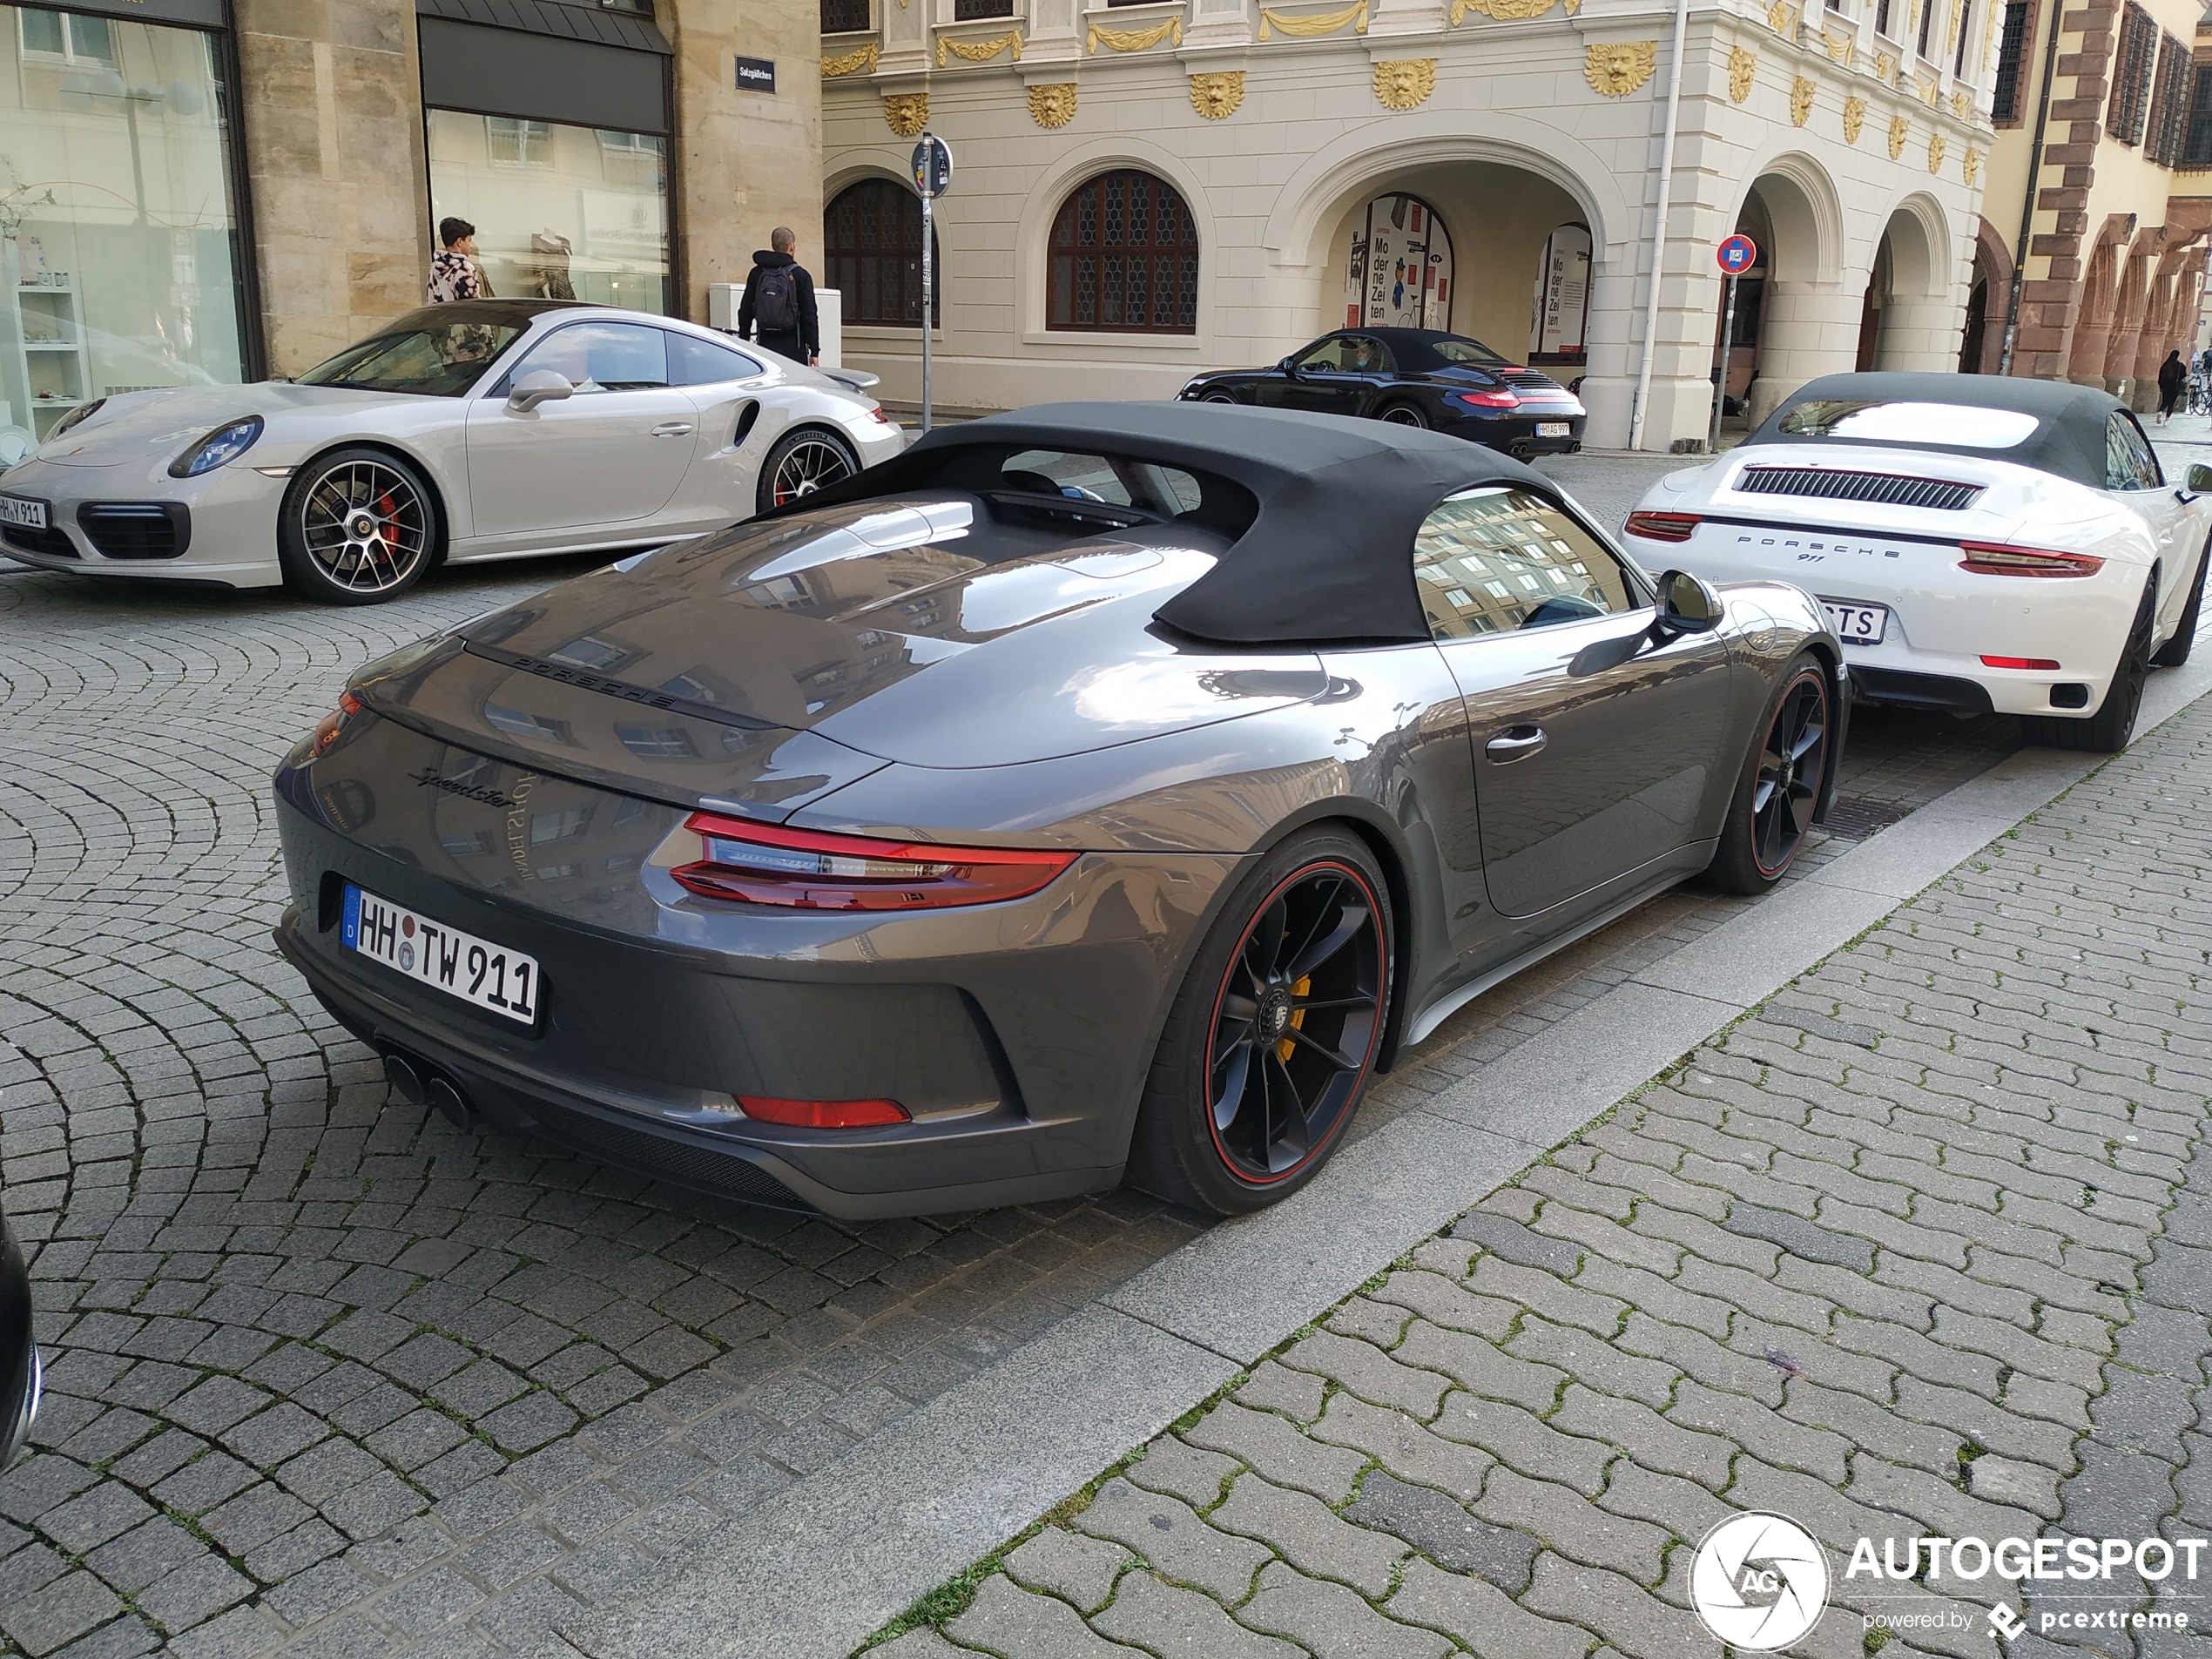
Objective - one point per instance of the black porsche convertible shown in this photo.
(1415, 377)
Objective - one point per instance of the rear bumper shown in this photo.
(1516, 433)
(1018, 1035)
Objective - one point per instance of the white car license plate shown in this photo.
(1554, 428)
(482, 974)
(1857, 624)
(22, 512)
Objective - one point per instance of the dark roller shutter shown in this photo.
(541, 60)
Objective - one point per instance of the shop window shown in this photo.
(68, 37)
(2011, 51)
(872, 253)
(518, 144)
(1124, 259)
(118, 267)
(560, 212)
(1400, 272)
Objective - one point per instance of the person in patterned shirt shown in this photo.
(454, 274)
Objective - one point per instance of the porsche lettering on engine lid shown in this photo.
(1825, 548)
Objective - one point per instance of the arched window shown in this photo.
(1124, 258)
(872, 253)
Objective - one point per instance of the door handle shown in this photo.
(672, 429)
(1515, 743)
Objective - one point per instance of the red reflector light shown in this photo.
(823, 1114)
(1662, 527)
(332, 724)
(2019, 662)
(1500, 399)
(1993, 558)
(813, 870)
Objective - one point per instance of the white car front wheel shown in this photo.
(357, 528)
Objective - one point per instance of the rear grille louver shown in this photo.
(1891, 489)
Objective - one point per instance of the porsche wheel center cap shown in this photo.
(1274, 1012)
(362, 527)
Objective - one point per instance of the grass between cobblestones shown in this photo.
(1923, 1246)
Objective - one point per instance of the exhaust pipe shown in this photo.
(447, 1098)
(406, 1076)
(421, 1084)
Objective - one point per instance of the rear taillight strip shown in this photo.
(1995, 558)
(768, 864)
(1662, 527)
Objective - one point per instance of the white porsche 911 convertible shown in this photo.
(484, 430)
(1978, 543)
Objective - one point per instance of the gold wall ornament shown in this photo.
(1886, 69)
(1740, 64)
(1930, 89)
(1136, 40)
(1898, 128)
(1780, 16)
(1217, 93)
(1327, 24)
(1053, 104)
(1405, 82)
(859, 61)
(1841, 49)
(905, 113)
(977, 52)
(1971, 163)
(1937, 145)
(1618, 68)
(1962, 105)
(1506, 11)
(1800, 101)
(1854, 117)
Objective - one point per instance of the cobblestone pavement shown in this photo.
(328, 1376)
(1921, 1247)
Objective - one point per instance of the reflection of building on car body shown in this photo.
(1096, 790)
(475, 430)
(1980, 544)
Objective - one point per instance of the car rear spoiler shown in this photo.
(858, 380)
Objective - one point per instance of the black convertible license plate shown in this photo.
(481, 974)
(22, 512)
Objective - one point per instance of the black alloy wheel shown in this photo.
(2175, 653)
(801, 462)
(2107, 731)
(1217, 397)
(1274, 1035)
(1405, 414)
(357, 528)
(1780, 788)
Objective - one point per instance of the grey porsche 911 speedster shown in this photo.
(1098, 791)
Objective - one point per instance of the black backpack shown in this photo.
(776, 306)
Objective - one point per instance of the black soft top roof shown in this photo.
(2068, 440)
(1328, 557)
(1417, 346)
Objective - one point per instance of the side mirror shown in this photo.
(1688, 604)
(2200, 479)
(1288, 368)
(539, 385)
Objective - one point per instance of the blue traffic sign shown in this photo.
(1737, 254)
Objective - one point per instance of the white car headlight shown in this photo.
(226, 442)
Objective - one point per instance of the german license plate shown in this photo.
(1857, 624)
(22, 512)
(481, 974)
(1554, 428)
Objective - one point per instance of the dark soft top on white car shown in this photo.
(2067, 439)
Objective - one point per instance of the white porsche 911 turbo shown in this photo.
(1978, 543)
(484, 430)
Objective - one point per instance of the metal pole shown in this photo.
(1720, 375)
(928, 294)
(1659, 229)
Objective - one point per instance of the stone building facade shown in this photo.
(1504, 153)
(2120, 222)
(195, 190)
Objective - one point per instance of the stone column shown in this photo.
(333, 148)
(747, 161)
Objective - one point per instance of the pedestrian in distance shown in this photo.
(2172, 380)
(780, 301)
(454, 274)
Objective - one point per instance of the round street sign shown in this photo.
(933, 165)
(1735, 256)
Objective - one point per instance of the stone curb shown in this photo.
(820, 1568)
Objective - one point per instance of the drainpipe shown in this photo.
(2034, 178)
(1659, 224)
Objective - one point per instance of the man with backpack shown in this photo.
(779, 297)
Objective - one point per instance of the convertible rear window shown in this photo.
(437, 358)
(1959, 425)
(1091, 492)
